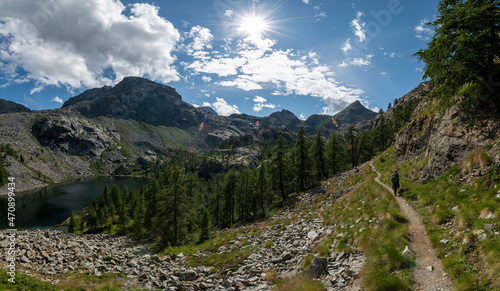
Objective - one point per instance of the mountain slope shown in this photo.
(12, 107)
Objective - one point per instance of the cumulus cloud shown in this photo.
(201, 38)
(253, 65)
(229, 13)
(422, 31)
(222, 107)
(57, 99)
(260, 103)
(206, 79)
(73, 43)
(359, 27)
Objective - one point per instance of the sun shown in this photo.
(253, 25)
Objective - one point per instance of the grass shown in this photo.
(369, 220)
(221, 262)
(299, 283)
(69, 282)
(460, 218)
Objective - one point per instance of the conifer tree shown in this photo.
(204, 225)
(280, 166)
(465, 46)
(229, 198)
(318, 157)
(302, 161)
(352, 138)
(261, 187)
(335, 154)
(93, 217)
(139, 213)
(151, 200)
(106, 196)
(73, 223)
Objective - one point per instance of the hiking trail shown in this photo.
(428, 273)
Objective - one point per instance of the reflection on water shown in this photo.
(52, 205)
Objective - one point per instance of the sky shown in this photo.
(236, 56)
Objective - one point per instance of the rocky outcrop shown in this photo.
(444, 138)
(72, 136)
(11, 107)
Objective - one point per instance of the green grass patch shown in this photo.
(24, 282)
(299, 283)
(224, 261)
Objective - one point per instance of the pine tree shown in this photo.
(93, 218)
(174, 207)
(302, 161)
(280, 166)
(318, 157)
(139, 212)
(73, 223)
(335, 154)
(352, 138)
(151, 201)
(261, 187)
(465, 46)
(204, 226)
(106, 195)
(229, 199)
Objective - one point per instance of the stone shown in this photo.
(430, 268)
(318, 267)
(312, 235)
(407, 251)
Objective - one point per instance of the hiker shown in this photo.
(395, 182)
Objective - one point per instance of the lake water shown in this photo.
(53, 204)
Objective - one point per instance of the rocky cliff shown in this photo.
(442, 136)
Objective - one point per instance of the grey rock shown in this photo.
(318, 267)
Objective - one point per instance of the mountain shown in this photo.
(12, 107)
(137, 99)
(125, 128)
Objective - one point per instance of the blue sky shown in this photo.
(253, 57)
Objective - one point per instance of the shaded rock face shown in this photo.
(71, 136)
(12, 107)
(446, 139)
(138, 99)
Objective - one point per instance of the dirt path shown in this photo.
(428, 273)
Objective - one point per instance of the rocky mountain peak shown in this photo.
(355, 112)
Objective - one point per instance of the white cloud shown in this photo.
(229, 13)
(383, 73)
(260, 103)
(54, 43)
(259, 99)
(302, 117)
(359, 27)
(222, 107)
(57, 99)
(360, 62)
(422, 31)
(346, 46)
(305, 1)
(206, 79)
(254, 64)
(392, 55)
(201, 37)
